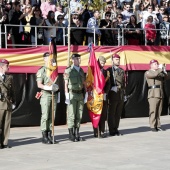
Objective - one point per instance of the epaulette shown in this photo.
(68, 67)
(41, 68)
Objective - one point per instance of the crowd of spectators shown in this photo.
(129, 22)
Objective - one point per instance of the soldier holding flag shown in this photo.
(101, 62)
(95, 83)
(47, 85)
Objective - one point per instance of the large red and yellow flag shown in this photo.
(52, 69)
(95, 82)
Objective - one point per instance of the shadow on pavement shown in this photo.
(86, 135)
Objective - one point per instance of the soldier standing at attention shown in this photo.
(74, 82)
(116, 95)
(7, 101)
(102, 61)
(46, 86)
(155, 78)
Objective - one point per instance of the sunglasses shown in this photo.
(120, 17)
(107, 15)
(75, 18)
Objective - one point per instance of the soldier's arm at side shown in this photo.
(40, 85)
(66, 80)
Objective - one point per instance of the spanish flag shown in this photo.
(52, 69)
(95, 82)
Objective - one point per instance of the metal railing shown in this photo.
(120, 35)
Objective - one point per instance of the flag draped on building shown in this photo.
(95, 82)
(52, 70)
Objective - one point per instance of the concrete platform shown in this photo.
(137, 149)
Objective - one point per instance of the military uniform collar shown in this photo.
(115, 67)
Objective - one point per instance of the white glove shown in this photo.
(55, 87)
(67, 101)
(48, 87)
(86, 96)
(114, 88)
(13, 106)
(160, 66)
(125, 98)
(104, 96)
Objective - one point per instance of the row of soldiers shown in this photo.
(74, 78)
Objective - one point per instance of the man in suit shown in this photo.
(155, 78)
(116, 95)
(6, 102)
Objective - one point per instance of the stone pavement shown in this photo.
(137, 149)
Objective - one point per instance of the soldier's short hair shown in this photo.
(101, 58)
(47, 54)
(75, 56)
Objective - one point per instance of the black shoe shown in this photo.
(118, 133)
(103, 135)
(45, 139)
(77, 135)
(95, 135)
(51, 138)
(6, 146)
(71, 135)
(112, 134)
(154, 130)
(160, 129)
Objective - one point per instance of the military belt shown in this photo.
(77, 91)
(154, 86)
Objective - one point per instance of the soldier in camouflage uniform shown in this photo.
(7, 101)
(46, 86)
(74, 82)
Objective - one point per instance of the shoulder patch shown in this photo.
(66, 75)
(39, 74)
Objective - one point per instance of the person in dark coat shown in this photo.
(17, 18)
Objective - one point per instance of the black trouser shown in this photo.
(115, 111)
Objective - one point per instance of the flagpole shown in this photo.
(53, 115)
(68, 35)
(98, 133)
(107, 117)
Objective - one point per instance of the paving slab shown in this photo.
(137, 149)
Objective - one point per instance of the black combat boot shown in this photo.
(51, 138)
(45, 139)
(95, 130)
(71, 135)
(77, 136)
